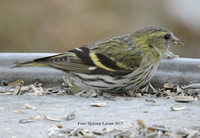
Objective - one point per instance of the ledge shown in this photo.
(178, 70)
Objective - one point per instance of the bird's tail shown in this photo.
(28, 64)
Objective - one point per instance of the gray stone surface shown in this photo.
(124, 111)
(181, 71)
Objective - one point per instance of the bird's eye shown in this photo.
(166, 37)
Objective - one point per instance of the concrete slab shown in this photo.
(121, 113)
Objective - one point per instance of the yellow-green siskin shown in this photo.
(116, 64)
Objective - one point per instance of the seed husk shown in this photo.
(1, 108)
(36, 118)
(184, 98)
(26, 121)
(30, 107)
(3, 90)
(70, 116)
(168, 85)
(100, 104)
(48, 117)
(18, 82)
(141, 123)
(179, 108)
(17, 111)
(37, 91)
(75, 89)
(192, 86)
(16, 90)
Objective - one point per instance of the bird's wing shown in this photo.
(87, 60)
(117, 56)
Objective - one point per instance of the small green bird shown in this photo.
(116, 64)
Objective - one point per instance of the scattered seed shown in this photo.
(78, 132)
(57, 106)
(17, 111)
(92, 93)
(193, 91)
(69, 81)
(141, 123)
(138, 95)
(41, 89)
(100, 104)
(59, 126)
(18, 82)
(66, 130)
(178, 89)
(111, 115)
(145, 111)
(10, 128)
(193, 134)
(169, 93)
(152, 135)
(160, 129)
(37, 84)
(122, 135)
(3, 90)
(30, 107)
(168, 85)
(26, 121)
(70, 116)
(65, 80)
(192, 86)
(36, 118)
(51, 118)
(179, 108)
(36, 90)
(6, 93)
(16, 90)
(25, 88)
(184, 98)
(75, 89)
(154, 90)
(142, 131)
(1, 108)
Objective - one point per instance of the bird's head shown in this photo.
(156, 38)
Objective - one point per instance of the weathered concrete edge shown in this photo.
(178, 70)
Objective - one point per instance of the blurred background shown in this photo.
(58, 26)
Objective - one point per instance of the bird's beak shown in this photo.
(176, 41)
